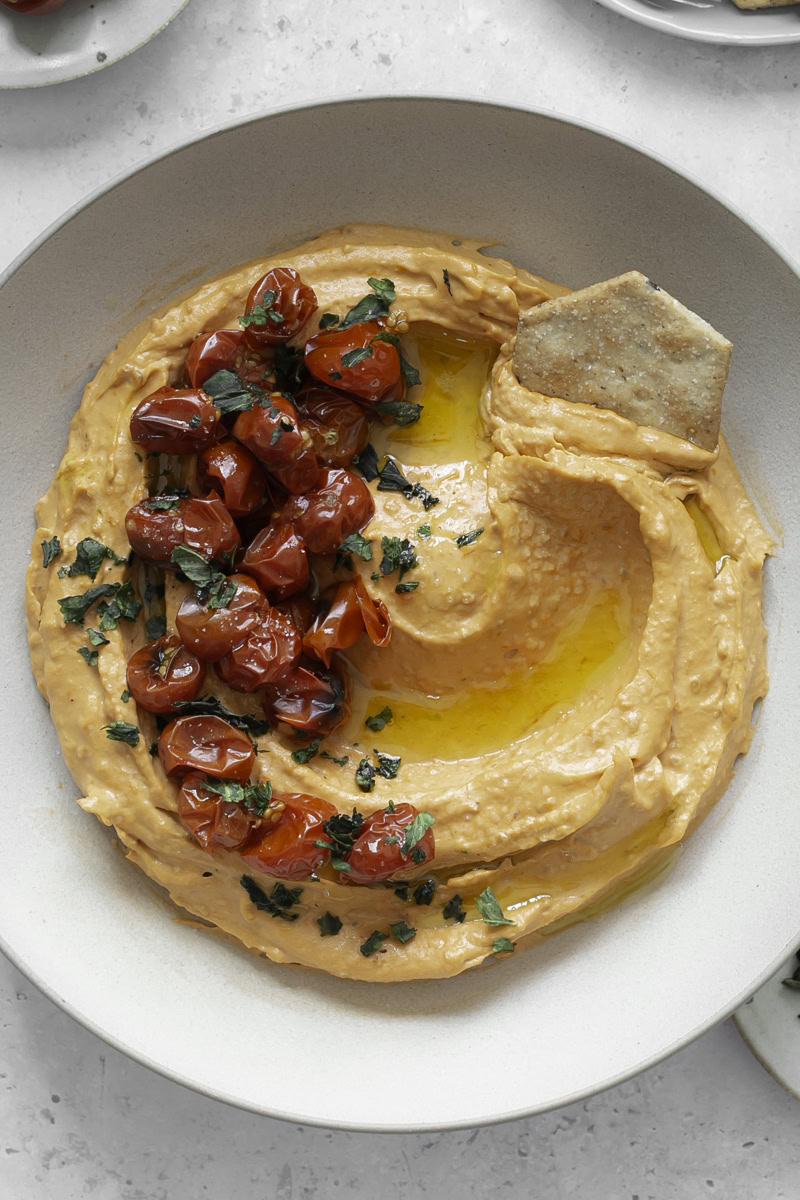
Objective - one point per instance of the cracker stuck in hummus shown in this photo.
(627, 345)
(373, 658)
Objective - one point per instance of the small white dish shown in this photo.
(769, 1024)
(722, 23)
(82, 37)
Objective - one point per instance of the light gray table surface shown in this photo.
(77, 1119)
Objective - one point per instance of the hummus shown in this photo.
(569, 687)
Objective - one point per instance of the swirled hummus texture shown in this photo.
(570, 690)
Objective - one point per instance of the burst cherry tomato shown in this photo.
(175, 422)
(352, 612)
(310, 698)
(300, 609)
(376, 855)
(213, 822)
(33, 6)
(277, 558)
(162, 672)
(287, 850)
(226, 350)
(277, 308)
(338, 426)
(212, 632)
(264, 656)
(338, 506)
(371, 374)
(273, 435)
(207, 744)
(231, 470)
(203, 525)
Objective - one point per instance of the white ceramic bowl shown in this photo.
(722, 22)
(603, 999)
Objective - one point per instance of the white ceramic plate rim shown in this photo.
(218, 1094)
(669, 22)
(46, 80)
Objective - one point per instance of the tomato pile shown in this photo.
(267, 433)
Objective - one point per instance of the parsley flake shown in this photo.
(388, 764)
(407, 587)
(329, 925)
(356, 543)
(502, 945)
(89, 655)
(410, 373)
(466, 539)
(96, 637)
(263, 312)
(328, 319)
(398, 555)
(367, 462)
(401, 412)
(380, 720)
(351, 358)
(454, 910)
(373, 943)
(423, 892)
(446, 278)
(404, 933)
(306, 753)
(365, 775)
(424, 531)
(194, 566)
(50, 550)
(89, 556)
(340, 762)
(277, 902)
(489, 908)
(205, 706)
(125, 696)
(75, 608)
(383, 288)
(416, 831)
(155, 627)
(123, 731)
(255, 797)
(230, 393)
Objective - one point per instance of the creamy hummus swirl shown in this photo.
(577, 680)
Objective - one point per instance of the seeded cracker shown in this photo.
(627, 345)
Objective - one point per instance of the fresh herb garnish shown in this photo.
(123, 731)
(155, 627)
(397, 556)
(205, 706)
(351, 358)
(446, 278)
(466, 539)
(221, 592)
(230, 393)
(502, 945)
(407, 587)
(328, 319)
(383, 288)
(454, 910)
(356, 543)
(306, 753)
(340, 762)
(96, 637)
(401, 412)
(410, 374)
(50, 550)
(365, 775)
(261, 313)
(388, 764)
(255, 797)
(380, 720)
(404, 933)
(165, 502)
(89, 655)
(343, 829)
(329, 925)
(75, 608)
(277, 903)
(370, 307)
(125, 696)
(392, 479)
(194, 566)
(334, 375)
(401, 891)
(424, 892)
(123, 607)
(416, 831)
(89, 556)
(489, 908)
(424, 531)
(152, 749)
(373, 943)
(367, 462)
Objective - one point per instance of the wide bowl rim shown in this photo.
(115, 1041)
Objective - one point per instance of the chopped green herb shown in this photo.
(165, 502)
(365, 775)
(401, 891)
(404, 933)
(195, 421)
(230, 393)
(383, 288)
(446, 278)
(388, 764)
(418, 492)
(502, 946)
(96, 637)
(390, 806)
(277, 902)
(334, 375)
(306, 753)
(375, 576)
(367, 462)
(154, 591)
(406, 587)
(261, 313)
(392, 479)
(155, 627)
(373, 943)
(125, 697)
(410, 373)
(210, 706)
(385, 336)
(489, 908)
(75, 608)
(343, 829)
(340, 762)
(398, 555)
(328, 319)
(194, 566)
(356, 543)
(50, 550)
(416, 831)
(123, 607)
(221, 592)
(424, 892)
(466, 539)
(401, 412)
(123, 731)
(454, 910)
(351, 358)
(89, 556)
(376, 305)
(89, 655)
(424, 531)
(380, 720)
(329, 925)
(152, 749)
(255, 797)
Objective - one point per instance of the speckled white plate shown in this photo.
(769, 1024)
(721, 23)
(601, 1000)
(82, 37)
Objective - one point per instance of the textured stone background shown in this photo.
(76, 1118)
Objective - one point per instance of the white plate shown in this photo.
(769, 1024)
(724, 22)
(82, 37)
(603, 999)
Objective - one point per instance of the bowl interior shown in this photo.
(601, 999)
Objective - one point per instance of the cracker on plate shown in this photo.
(627, 345)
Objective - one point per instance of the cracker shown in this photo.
(627, 345)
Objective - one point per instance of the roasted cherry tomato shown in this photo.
(175, 422)
(370, 375)
(273, 435)
(264, 656)
(226, 350)
(310, 698)
(338, 506)
(213, 822)
(203, 525)
(287, 850)
(212, 632)
(277, 308)
(207, 744)
(277, 558)
(352, 612)
(378, 850)
(162, 672)
(231, 470)
(33, 6)
(301, 609)
(338, 426)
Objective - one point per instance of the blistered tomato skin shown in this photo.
(271, 432)
(338, 506)
(163, 672)
(378, 850)
(212, 352)
(287, 850)
(277, 558)
(173, 421)
(337, 425)
(374, 368)
(264, 656)
(210, 745)
(352, 612)
(210, 632)
(288, 305)
(215, 824)
(310, 698)
(234, 472)
(203, 525)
